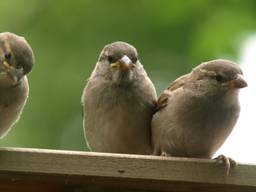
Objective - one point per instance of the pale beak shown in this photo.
(124, 63)
(13, 73)
(238, 82)
(7, 65)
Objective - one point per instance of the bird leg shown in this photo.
(164, 154)
(228, 162)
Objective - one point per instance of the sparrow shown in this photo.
(16, 61)
(198, 111)
(118, 103)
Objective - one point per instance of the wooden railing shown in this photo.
(28, 170)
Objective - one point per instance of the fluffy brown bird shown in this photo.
(16, 61)
(118, 103)
(198, 111)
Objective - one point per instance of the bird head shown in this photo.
(219, 76)
(16, 59)
(119, 62)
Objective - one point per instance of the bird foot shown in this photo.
(164, 154)
(227, 161)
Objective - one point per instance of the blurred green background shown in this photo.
(172, 36)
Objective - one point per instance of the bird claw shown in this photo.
(164, 154)
(227, 161)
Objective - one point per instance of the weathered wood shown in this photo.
(54, 170)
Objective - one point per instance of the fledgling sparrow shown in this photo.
(198, 111)
(118, 103)
(16, 61)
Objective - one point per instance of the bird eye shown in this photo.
(7, 56)
(111, 59)
(134, 59)
(218, 78)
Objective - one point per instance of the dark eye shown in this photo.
(218, 78)
(7, 56)
(134, 59)
(111, 59)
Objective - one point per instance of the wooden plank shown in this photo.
(53, 170)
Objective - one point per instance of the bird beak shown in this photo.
(6, 65)
(124, 63)
(11, 71)
(238, 82)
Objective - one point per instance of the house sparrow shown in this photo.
(198, 111)
(16, 61)
(118, 103)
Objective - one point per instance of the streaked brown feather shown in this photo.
(178, 83)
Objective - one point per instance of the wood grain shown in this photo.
(23, 169)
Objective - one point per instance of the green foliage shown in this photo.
(67, 36)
